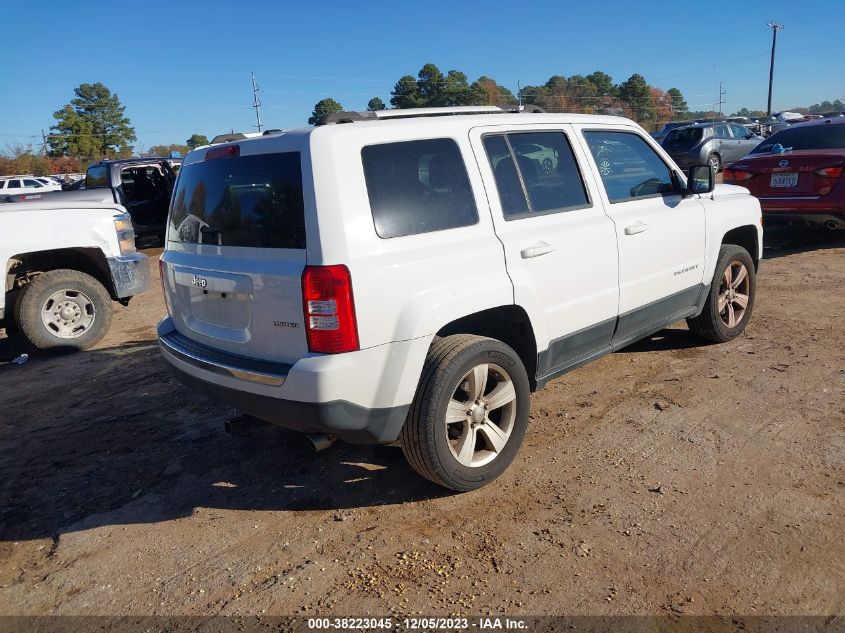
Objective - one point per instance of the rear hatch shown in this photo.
(236, 251)
(800, 174)
(682, 140)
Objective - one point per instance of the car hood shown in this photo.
(722, 190)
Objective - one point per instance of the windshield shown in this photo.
(822, 136)
(684, 137)
(246, 201)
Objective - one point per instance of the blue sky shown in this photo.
(184, 67)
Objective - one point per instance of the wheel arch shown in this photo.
(509, 324)
(747, 237)
(91, 261)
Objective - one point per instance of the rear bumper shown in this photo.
(361, 397)
(130, 274)
(831, 220)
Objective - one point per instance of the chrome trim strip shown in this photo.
(789, 198)
(223, 369)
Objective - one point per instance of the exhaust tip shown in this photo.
(321, 441)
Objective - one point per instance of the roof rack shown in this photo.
(333, 118)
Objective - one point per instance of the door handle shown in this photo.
(639, 227)
(540, 248)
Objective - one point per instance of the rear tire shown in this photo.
(715, 163)
(730, 300)
(469, 414)
(63, 310)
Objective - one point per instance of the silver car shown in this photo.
(715, 144)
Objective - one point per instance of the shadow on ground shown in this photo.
(108, 437)
(779, 241)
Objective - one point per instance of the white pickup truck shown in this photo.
(65, 263)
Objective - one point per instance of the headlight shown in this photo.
(125, 233)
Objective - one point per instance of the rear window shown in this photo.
(417, 187)
(97, 176)
(819, 136)
(251, 201)
(684, 137)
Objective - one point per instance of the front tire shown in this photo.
(63, 310)
(731, 298)
(469, 414)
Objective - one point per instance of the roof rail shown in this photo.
(333, 118)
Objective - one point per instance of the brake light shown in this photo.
(829, 172)
(737, 175)
(330, 323)
(225, 151)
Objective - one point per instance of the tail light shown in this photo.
(327, 302)
(224, 151)
(829, 172)
(737, 175)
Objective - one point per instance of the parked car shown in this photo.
(49, 183)
(715, 144)
(797, 174)
(65, 263)
(406, 275)
(668, 127)
(21, 184)
(141, 185)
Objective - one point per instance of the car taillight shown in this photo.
(736, 175)
(829, 172)
(226, 151)
(330, 323)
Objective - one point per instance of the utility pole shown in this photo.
(256, 103)
(44, 139)
(775, 28)
(722, 93)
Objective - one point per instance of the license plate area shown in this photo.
(786, 179)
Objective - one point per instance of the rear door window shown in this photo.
(535, 173)
(14, 184)
(628, 166)
(417, 187)
(253, 201)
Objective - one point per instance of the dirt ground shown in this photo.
(673, 477)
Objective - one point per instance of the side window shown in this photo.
(32, 183)
(417, 187)
(740, 131)
(14, 184)
(628, 166)
(535, 172)
(721, 131)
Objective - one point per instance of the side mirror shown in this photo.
(701, 179)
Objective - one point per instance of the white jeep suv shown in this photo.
(414, 275)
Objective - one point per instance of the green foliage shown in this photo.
(322, 108)
(827, 106)
(677, 101)
(375, 104)
(405, 93)
(635, 94)
(196, 141)
(164, 150)
(92, 125)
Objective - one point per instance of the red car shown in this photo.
(798, 174)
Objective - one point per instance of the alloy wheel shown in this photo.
(734, 294)
(68, 313)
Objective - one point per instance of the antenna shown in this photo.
(256, 103)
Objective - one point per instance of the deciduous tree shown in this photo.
(196, 141)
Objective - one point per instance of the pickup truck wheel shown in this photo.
(469, 414)
(63, 309)
(731, 297)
